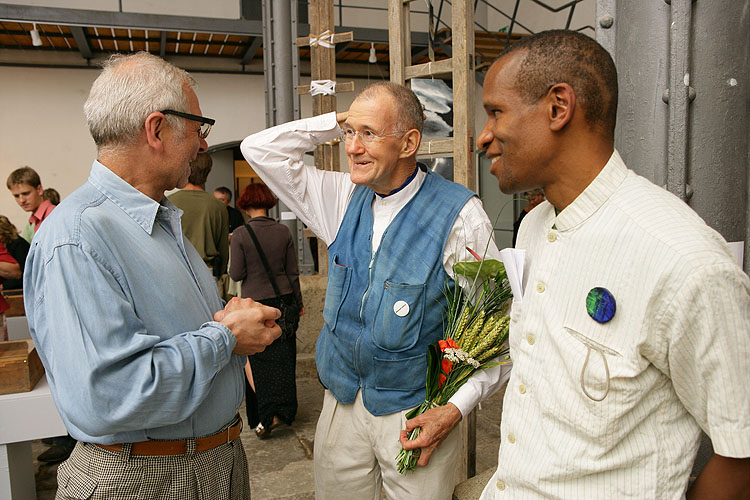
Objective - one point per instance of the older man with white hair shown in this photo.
(144, 361)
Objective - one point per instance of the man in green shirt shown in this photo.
(205, 221)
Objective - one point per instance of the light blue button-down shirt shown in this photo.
(120, 307)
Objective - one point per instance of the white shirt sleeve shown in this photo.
(473, 229)
(318, 197)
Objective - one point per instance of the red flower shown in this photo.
(445, 368)
(445, 344)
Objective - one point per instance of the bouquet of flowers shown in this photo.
(475, 332)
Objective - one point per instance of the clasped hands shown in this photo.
(253, 324)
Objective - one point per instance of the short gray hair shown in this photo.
(129, 89)
(409, 110)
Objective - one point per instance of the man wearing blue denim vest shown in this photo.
(393, 230)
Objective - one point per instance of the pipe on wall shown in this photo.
(679, 85)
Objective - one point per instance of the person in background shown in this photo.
(224, 195)
(271, 390)
(9, 269)
(633, 333)
(51, 195)
(144, 361)
(26, 187)
(534, 198)
(204, 218)
(17, 247)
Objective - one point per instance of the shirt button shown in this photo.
(530, 339)
(551, 236)
(522, 389)
(511, 438)
(500, 485)
(540, 287)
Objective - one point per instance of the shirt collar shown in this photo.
(41, 211)
(593, 197)
(405, 193)
(142, 209)
(402, 186)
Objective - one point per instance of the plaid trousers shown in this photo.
(94, 473)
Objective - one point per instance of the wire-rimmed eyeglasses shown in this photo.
(206, 123)
(366, 136)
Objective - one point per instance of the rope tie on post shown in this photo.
(325, 39)
(322, 87)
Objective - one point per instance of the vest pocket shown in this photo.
(399, 317)
(339, 278)
(407, 374)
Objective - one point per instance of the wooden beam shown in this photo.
(463, 92)
(442, 67)
(323, 67)
(163, 44)
(82, 42)
(251, 50)
(399, 46)
(435, 147)
(304, 41)
(340, 87)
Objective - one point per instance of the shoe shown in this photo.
(265, 432)
(262, 432)
(56, 453)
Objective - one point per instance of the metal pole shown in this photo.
(281, 33)
(278, 64)
(679, 86)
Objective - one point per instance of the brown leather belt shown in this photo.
(164, 448)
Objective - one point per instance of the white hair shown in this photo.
(129, 89)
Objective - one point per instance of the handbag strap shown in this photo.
(263, 260)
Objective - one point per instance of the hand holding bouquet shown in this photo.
(476, 331)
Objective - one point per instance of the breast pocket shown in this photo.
(339, 278)
(399, 317)
(596, 376)
(608, 377)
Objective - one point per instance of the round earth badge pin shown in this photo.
(600, 304)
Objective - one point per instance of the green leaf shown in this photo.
(488, 268)
(434, 356)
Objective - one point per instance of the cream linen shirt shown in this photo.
(675, 358)
(320, 198)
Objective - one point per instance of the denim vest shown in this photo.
(382, 311)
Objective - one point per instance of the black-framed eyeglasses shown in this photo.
(206, 123)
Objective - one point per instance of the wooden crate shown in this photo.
(15, 300)
(20, 367)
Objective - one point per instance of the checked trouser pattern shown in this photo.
(97, 474)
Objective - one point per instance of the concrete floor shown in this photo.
(281, 468)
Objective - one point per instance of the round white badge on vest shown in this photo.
(401, 308)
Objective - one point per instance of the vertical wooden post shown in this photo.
(399, 39)
(463, 93)
(462, 69)
(323, 67)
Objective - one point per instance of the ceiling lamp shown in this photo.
(373, 57)
(36, 40)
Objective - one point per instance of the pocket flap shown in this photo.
(74, 484)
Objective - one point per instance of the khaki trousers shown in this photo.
(355, 457)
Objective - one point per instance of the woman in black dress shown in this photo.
(271, 389)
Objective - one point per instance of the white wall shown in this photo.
(43, 126)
